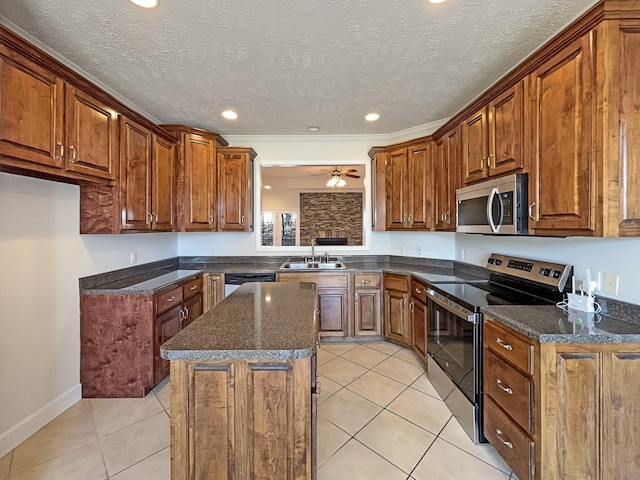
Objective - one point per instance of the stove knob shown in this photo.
(498, 262)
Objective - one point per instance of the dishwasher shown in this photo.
(234, 280)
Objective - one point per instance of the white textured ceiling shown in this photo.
(284, 65)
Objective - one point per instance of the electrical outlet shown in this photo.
(418, 250)
(133, 257)
(611, 283)
(404, 249)
(461, 254)
(213, 249)
(596, 281)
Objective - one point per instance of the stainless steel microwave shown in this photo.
(497, 206)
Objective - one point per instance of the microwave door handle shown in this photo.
(492, 197)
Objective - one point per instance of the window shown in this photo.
(280, 229)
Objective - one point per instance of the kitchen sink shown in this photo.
(332, 264)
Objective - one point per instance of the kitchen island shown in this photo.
(243, 386)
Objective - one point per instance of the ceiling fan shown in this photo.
(336, 175)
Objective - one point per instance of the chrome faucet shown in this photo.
(313, 254)
(326, 257)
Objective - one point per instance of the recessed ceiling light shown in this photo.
(229, 114)
(146, 3)
(371, 117)
(313, 128)
(267, 187)
(436, 1)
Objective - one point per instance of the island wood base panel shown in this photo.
(241, 420)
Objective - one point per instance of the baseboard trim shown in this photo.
(14, 436)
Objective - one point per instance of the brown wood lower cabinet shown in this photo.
(562, 410)
(242, 419)
(419, 316)
(121, 337)
(397, 323)
(212, 290)
(367, 303)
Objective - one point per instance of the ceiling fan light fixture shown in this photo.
(145, 3)
(371, 117)
(333, 181)
(341, 183)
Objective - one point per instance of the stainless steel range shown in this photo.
(454, 340)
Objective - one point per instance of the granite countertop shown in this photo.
(143, 284)
(263, 321)
(550, 324)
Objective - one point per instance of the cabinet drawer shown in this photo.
(191, 288)
(419, 291)
(396, 282)
(508, 346)
(513, 445)
(510, 389)
(168, 299)
(366, 280)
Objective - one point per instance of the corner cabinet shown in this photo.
(397, 322)
(121, 335)
(235, 189)
(196, 178)
(578, 399)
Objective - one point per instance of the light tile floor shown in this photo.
(378, 418)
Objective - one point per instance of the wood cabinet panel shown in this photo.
(420, 187)
(378, 157)
(419, 328)
(200, 184)
(447, 153)
(475, 146)
(213, 290)
(233, 420)
(168, 299)
(235, 188)
(135, 175)
(367, 318)
(163, 189)
(396, 173)
(92, 135)
(192, 309)
(561, 182)
(396, 316)
(333, 311)
(167, 325)
(506, 131)
(505, 343)
(32, 111)
(367, 280)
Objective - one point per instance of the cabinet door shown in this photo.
(506, 131)
(396, 316)
(420, 187)
(92, 131)
(561, 185)
(446, 161)
(379, 189)
(166, 326)
(200, 184)
(135, 175)
(31, 111)
(192, 309)
(367, 312)
(163, 192)
(213, 290)
(475, 148)
(419, 328)
(234, 191)
(397, 190)
(333, 304)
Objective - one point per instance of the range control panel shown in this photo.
(555, 275)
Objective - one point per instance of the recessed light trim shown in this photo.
(436, 1)
(229, 114)
(371, 117)
(145, 3)
(267, 187)
(313, 128)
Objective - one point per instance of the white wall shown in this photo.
(615, 255)
(42, 255)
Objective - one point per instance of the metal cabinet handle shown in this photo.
(210, 219)
(155, 215)
(506, 346)
(506, 442)
(483, 165)
(505, 389)
(242, 220)
(193, 287)
(186, 312)
(317, 389)
(489, 161)
(366, 281)
(150, 216)
(171, 299)
(531, 215)
(409, 219)
(73, 153)
(447, 216)
(418, 291)
(411, 306)
(442, 218)
(356, 298)
(61, 154)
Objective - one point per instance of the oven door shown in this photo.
(454, 346)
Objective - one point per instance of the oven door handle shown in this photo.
(492, 224)
(457, 310)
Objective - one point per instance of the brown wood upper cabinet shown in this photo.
(493, 137)
(235, 188)
(51, 126)
(446, 165)
(561, 193)
(409, 179)
(147, 179)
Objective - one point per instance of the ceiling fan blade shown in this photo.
(351, 170)
(351, 175)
